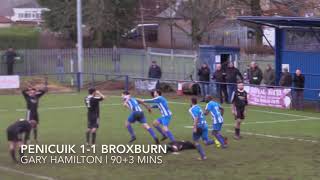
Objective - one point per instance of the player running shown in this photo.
(136, 115)
(161, 103)
(200, 127)
(15, 132)
(92, 103)
(32, 96)
(239, 103)
(216, 112)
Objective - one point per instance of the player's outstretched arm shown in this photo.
(140, 101)
(100, 94)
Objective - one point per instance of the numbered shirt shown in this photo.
(162, 104)
(92, 103)
(133, 104)
(214, 109)
(197, 113)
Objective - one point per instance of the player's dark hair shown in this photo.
(126, 92)
(194, 100)
(158, 91)
(91, 90)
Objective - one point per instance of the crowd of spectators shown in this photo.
(227, 78)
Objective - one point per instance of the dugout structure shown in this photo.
(297, 46)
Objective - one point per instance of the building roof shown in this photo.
(280, 22)
(6, 7)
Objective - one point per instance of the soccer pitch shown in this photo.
(276, 144)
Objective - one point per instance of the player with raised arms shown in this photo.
(239, 103)
(136, 115)
(32, 96)
(15, 132)
(92, 103)
(216, 112)
(164, 121)
(200, 127)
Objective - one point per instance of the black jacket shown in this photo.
(219, 76)
(298, 82)
(255, 76)
(10, 57)
(286, 80)
(232, 75)
(155, 72)
(204, 74)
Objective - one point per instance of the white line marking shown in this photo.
(25, 174)
(270, 122)
(264, 111)
(171, 102)
(66, 107)
(276, 137)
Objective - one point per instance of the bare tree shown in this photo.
(199, 15)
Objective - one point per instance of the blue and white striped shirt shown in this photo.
(214, 109)
(133, 104)
(162, 104)
(197, 113)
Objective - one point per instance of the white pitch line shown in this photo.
(171, 102)
(66, 107)
(264, 111)
(270, 122)
(276, 137)
(25, 174)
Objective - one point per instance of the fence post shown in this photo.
(92, 80)
(79, 81)
(126, 86)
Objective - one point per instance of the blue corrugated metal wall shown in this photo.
(309, 63)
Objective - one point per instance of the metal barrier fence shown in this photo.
(134, 62)
(175, 64)
(68, 82)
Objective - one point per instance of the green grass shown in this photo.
(19, 37)
(252, 158)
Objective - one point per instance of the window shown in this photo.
(20, 15)
(27, 15)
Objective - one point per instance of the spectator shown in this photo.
(60, 69)
(204, 78)
(286, 79)
(298, 82)
(255, 74)
(155, 73)
(269, 76)
(232, 75)
(10, 56)
(220, 77)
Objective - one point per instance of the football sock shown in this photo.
(13, 154)
(94, 138)
(170, 136)
(87, 137)
(160, 131)
(152, 133)
(237, 131)
(209, 142)
(200, 150)
(130, 130)
(220, 138)
(35, 133)
(20, 152)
